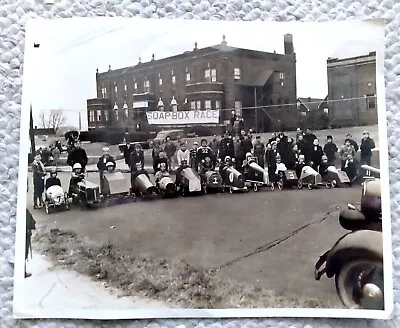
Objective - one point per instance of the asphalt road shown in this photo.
(224, 231)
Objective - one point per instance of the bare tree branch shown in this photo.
(52, 120)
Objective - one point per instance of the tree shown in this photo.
(53, 119)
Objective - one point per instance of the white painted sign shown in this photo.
(183, 117)
(140, 104)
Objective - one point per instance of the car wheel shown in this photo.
(334, 183)
(328, 185)
(359, 284)
(231, 190)
(272, 187)
(309, 186)
(300, 185)
(255, 187)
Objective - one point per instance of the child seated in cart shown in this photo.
(76, 177)
(299, 165)
(53, 180)
(184, 165)
(161, 173)
(323, 168)
(206, 165)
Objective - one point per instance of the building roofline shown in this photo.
(215, 49)
(337, 60)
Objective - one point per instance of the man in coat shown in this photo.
(214, 145)
(226, 147)
(127, 153)
(77, 155)
(170, 150)
(104, 159)
(259, 151)
(367, 144)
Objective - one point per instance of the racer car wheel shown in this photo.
(255, 187)
(334, 183)
(300, 185)
(328, 185)
(231, 190)
(280, 185)
(310, 187)
(272, 187)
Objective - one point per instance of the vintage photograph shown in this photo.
(187, 168)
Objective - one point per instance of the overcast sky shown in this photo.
(70, 51)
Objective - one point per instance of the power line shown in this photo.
(86, 41)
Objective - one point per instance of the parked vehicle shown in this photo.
(356, 259)
(173, 134)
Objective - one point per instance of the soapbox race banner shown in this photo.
(183, 117)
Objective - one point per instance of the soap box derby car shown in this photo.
(210, 179)
(232, 179)
(255, 175)
(188, 180)
(142, 186)
(311, 178)
(56, 199)
(115, 186)
(336, 178)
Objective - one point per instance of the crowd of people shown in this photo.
(288, 150)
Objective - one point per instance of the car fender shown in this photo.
(355, 245)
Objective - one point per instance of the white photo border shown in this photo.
(20, 312)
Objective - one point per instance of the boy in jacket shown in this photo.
(330, 150)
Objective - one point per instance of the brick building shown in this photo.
(354, 81)
(216, 77)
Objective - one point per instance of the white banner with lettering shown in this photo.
(183, 117)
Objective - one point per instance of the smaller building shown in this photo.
(352, 91)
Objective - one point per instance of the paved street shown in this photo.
(212, 230)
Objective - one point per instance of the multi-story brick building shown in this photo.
(352, 90)
(217, 77)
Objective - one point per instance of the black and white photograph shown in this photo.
(189, 168)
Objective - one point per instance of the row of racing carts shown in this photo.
(257, 176)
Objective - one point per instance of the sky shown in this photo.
(62, 72)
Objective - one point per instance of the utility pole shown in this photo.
(255, 107)
(80, 122)
(31, 132)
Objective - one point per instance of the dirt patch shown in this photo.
(176, 283)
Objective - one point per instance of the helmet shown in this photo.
(227, 158)
(77, 166)
(110, 165)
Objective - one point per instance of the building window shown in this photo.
(193, 105)
(115, 88)
(173, 79)
(236, 72)
(187, 76)
(106, 115)
(218, 104)
(146, 86)
(91, 116)
(160, 81)
(104, 92)
(99, 115)
(238, 108)
(125, 86)
(135, 85)
(326, 110)
(371, 102)
(198, 104)
(281, 76)
(207, 104)
(369, 84)
(214, 75)
(210, 75)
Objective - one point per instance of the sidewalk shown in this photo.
(55, 288)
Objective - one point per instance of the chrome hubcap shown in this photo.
(372, 291)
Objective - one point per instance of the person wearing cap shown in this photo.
(193, 155)
(204, 151)
(77, 175)
(367, 144)
(226, 147)
(330, 150)
(104, 159)
(183, 154)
